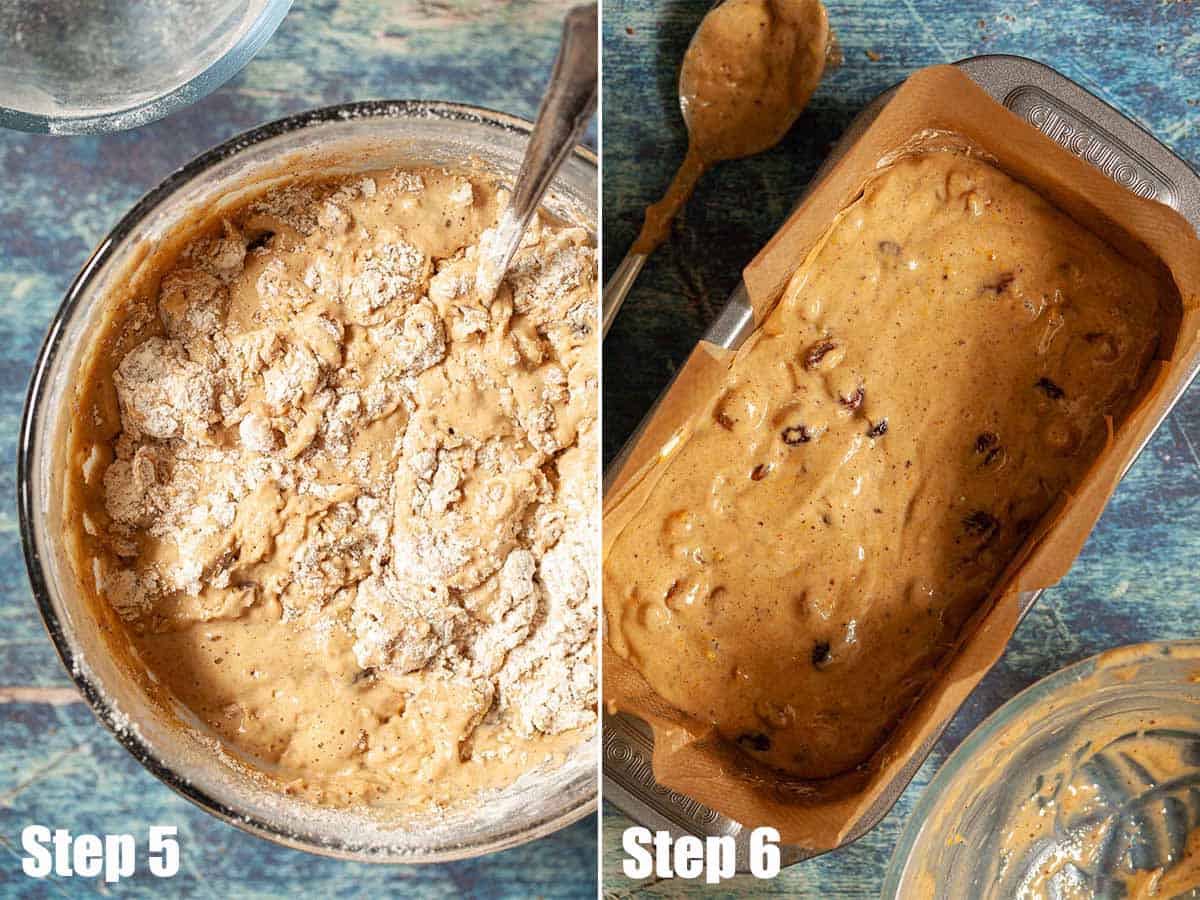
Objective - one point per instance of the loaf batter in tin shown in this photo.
(345, 511)
(935, 375)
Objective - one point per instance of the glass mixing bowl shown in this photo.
(79, 66)
(342, 139)
(1087, 785)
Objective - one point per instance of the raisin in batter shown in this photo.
(935, 375)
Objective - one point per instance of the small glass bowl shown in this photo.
(68, 67)
(1084, 784)
(336, 140)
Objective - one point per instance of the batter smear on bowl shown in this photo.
(345, 512)
(936, 374)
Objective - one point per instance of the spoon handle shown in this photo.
(618, 286)
(569, 103)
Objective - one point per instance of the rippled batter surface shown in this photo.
(935, 375)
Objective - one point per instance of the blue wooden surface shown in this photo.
(59, 196)
(1137, 577)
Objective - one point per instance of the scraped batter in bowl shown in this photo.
(938, 372)
(346, 512)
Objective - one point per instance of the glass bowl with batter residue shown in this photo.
(1087, 784)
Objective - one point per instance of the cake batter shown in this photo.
(935, 375)
(346, 511)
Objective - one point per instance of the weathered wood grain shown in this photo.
(58, 767)
(1138, 576)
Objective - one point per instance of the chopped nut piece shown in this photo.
(1062, 436)
(1107, 347)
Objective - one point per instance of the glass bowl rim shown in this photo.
(33, 411)
(996, 721)
(196, 88)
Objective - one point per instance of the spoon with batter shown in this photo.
(748, 73)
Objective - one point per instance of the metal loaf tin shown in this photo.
(1088, 127)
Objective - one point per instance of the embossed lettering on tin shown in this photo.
(630, 765)
(1090, 142)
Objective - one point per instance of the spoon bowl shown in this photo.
(747, 74)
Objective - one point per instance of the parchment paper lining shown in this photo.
(936, 108)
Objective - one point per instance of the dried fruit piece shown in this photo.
(878, 429)
(1049, 388)
(988, 444)
(760, 472)
(854, 401)
(796, 434)
(985, 440)
(817, 352)
(981, 524)
(754, 740)
(822, 655)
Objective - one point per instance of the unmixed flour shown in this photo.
(349, 511)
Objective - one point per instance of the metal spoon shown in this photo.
(569, 103)
(724, 122)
